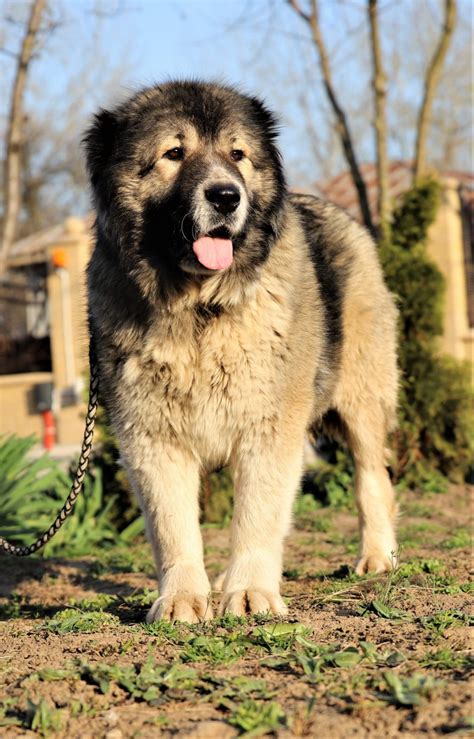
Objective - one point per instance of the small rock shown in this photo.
(111, 718)
(114, 734)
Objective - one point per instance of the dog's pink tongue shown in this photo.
(213, 253)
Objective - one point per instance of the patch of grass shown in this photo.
(383, 610)
(170, 631)
(446, 659)
(254, 718)
(229, 621)
(42, 718)
(293, 574)
(51, 674)
(418, 567)
(414, 534)
(147, 682)
(214, 649)
(126, 559)
(9, 715)
(431, 574)
(239, 688)
(418, 510)
(277, 637)
(98, 603)
(305, 503)
(19, 607)
(11, 609)
(459, 540)
(316, 660)
(444, 620)
(80, 622)
(408, 691)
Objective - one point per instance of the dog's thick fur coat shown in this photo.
(201, 368)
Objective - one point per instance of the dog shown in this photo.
(230, 317)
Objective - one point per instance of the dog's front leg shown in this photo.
(266, 478)
(166, 480)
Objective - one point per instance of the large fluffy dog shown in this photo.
(230, 317)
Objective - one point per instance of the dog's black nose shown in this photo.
(224, 198)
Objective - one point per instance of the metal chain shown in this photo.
(77, 484)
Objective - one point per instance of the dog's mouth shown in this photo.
(214, 250)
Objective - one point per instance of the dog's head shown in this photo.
(187, 175)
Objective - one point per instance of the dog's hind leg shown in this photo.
(166, 480)
(365, 431)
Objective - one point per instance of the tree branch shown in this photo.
(379, 86)
(431, 81)
(12, 180)
(312, 19)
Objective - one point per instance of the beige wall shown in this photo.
(445, 245)
(17, 414)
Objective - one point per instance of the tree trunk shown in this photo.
(431, 81)
(12, 177)
(312, 19)
(379, 85)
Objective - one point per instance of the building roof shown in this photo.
(341, 191)
(33, 249)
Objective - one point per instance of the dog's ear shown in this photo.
(100, 141)
(265, 118)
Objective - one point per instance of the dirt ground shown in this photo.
(357, 657)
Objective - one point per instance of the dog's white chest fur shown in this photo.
(211, 384)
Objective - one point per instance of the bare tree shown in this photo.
(12, 178)
(312, 20)
(431, 81)
(379, 84)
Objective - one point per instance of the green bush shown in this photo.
(32, 494)
(435, 435)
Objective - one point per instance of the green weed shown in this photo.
(383, 610)
(446, 659)
(9, 715)
(74, 621)
(237, 688)
(254, 718)
(316, 659)
(122, 560)
(408, 691)
(42, 718)
(460, 540)
(97, 603)
(444, 620)
(214, 649)
(277, 637)
(147, 682)
(165, 629)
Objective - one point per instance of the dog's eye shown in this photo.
(236, 155)
(175, 155)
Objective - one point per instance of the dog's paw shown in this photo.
(247, 602)
(186, 607)
(376, 562)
